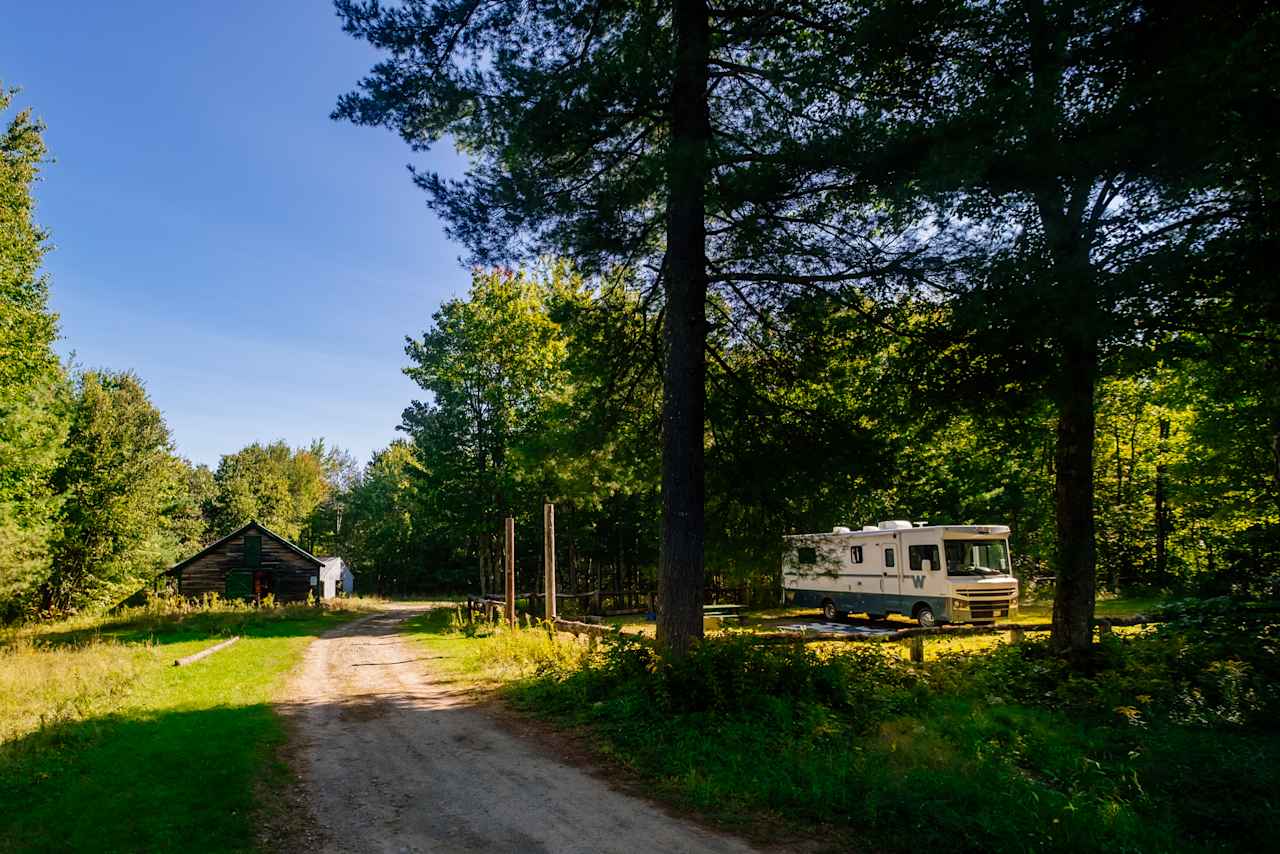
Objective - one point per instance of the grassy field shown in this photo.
(106, 746)
(1168, 742)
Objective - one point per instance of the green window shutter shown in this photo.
(239, 585)
(253, 551)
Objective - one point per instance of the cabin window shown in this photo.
(855, 554)
(253, 551)
(919, 554)
(807, 555)
(888, 557)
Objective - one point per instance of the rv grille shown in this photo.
(987, 603)
(986, 594)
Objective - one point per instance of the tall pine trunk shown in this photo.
(680, 564)
(1075, 590)
(1073, 498)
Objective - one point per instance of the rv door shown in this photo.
(890, 560)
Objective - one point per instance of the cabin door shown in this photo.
(263, 583)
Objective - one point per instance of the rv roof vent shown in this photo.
(895, 524)
(839, 529)
(870, 528)
(921, 524)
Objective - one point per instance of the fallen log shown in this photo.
(204, 653)
(592, 629)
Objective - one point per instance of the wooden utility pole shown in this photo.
(511, 571)
(549, 557)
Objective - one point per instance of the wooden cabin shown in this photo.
(249, 564)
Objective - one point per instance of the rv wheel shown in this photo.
(830, 612)
(924, 616)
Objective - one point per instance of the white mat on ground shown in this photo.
(833, 628)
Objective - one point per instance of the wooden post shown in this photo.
(917, 648)
(511, 571)
(549, 557)
(1104, 628)
(1016, 635)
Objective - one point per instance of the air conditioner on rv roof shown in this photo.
(896, 524)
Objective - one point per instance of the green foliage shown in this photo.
(287, 489)
(118, 477)
(32, 384)
(385, 523)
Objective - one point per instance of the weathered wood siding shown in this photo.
(208, 573)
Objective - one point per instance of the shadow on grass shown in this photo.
(176, 781)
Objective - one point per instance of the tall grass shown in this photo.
(84, 666)
(44, 685)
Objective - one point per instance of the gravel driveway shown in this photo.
(391, 759)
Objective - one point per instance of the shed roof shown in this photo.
(263, 528)
(333, 567)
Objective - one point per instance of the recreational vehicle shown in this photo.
(931, 573)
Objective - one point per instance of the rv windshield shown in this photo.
(977, 557)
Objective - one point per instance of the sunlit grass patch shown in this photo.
(506, 653)
(106, 746)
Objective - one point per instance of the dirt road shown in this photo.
(393, 760)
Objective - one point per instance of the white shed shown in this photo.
(336, 577)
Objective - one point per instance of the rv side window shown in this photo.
(918, 554)
(805, 554)
(888, 557)
(855, 554)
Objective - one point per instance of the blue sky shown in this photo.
(256, 263)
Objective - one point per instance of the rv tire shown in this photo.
(830, 612)
(924, 616)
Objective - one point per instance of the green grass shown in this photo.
(106, 746)
(1168, 743)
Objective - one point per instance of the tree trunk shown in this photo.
(1073, 495)
(680, 565)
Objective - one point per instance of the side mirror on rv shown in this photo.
(926, 564)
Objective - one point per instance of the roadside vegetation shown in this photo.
(1168, 742)
(106, 746)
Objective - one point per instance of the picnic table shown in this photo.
(725, 612)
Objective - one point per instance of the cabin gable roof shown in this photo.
(178, 567)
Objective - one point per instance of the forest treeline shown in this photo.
(950, 259)
(543, 386)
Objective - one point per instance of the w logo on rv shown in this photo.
(918, 580)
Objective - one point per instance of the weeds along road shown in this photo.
(393, 760)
